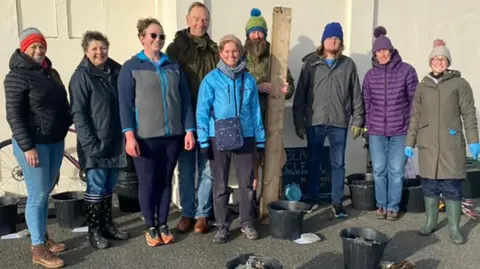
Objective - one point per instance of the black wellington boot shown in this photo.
(95, 219)
(109, 230)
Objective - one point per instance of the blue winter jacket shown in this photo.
(220, 90)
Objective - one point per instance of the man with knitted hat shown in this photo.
(328, 94)
(443, 117)
(257, 52)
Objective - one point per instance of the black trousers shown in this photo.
(220, 165)
(155, 167)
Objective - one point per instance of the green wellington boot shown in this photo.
(454, 213)
(431, 210)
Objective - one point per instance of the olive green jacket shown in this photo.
(439, 107)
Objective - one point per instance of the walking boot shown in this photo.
(95, 222)
(53, 246)
(454, 213)
(431, 211)
(108, 229)
(41, 255)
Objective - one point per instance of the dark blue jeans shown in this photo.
(337, 138)
(450, 189)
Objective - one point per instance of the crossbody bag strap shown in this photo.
(242, 90)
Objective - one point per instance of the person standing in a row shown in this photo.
(39, 117)
(230, 124)
(328, 95)
(197, 55)
(443, 100)
(157, 121)
(100, 147)
(388, 91)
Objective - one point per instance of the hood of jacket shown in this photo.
(85, 64)
(394, 61)
(20, 60)
(184, 40)
(449, 74)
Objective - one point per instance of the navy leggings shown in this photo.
(450, 189)
(154, 168)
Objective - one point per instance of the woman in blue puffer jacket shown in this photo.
(229, 122)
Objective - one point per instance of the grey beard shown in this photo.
(256, 48)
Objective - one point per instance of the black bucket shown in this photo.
(70, 209)
(363, 247)
(412, 196)
(128, 204)
(8, 214)
(286, 219)
(471, 185)
(268, 262)
(362, 192)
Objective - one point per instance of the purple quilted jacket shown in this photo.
(388, 92)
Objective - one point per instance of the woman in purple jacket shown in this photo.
(388, 88)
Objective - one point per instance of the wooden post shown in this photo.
(274, 152)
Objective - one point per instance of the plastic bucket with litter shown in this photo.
(363, 247)
(286, 219)
(253, 261)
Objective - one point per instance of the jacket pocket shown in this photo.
(452, 137)
(422, 134)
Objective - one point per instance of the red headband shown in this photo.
(32, 39)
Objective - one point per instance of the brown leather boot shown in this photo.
(201, 226)
(53, 246)
(41, 255)
(184, 225)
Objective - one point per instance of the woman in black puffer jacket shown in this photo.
(39, 118)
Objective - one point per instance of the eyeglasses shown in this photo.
(154, 36)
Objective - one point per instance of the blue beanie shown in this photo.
(333, 29)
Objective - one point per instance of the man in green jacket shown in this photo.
(198, 55)
(257, 53)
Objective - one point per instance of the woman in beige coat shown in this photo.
(442, 99)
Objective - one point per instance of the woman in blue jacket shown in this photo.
(229, 122)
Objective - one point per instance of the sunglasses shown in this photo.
(154, 36)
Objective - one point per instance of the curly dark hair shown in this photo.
(90, 36)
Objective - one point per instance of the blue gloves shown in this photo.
(409, 151)
(475, 150)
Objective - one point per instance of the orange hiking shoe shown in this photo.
(165, 235)
(152, 237)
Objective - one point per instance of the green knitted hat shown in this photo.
(256, 22)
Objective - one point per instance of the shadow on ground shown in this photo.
(330, 260)
(400, 249)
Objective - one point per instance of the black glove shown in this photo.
(300, 132)
(206, 153)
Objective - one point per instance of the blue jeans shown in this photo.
(388, 161)
(40, 182)
(100, 183)
(337, 138)
(187, 166)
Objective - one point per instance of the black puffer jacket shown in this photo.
(36, 102)
(94, 103)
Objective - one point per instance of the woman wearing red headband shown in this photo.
(38, 115)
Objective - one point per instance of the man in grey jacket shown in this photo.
(328, 94)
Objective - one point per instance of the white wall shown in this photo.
(412, 26)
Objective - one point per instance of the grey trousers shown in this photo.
(220, 165)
